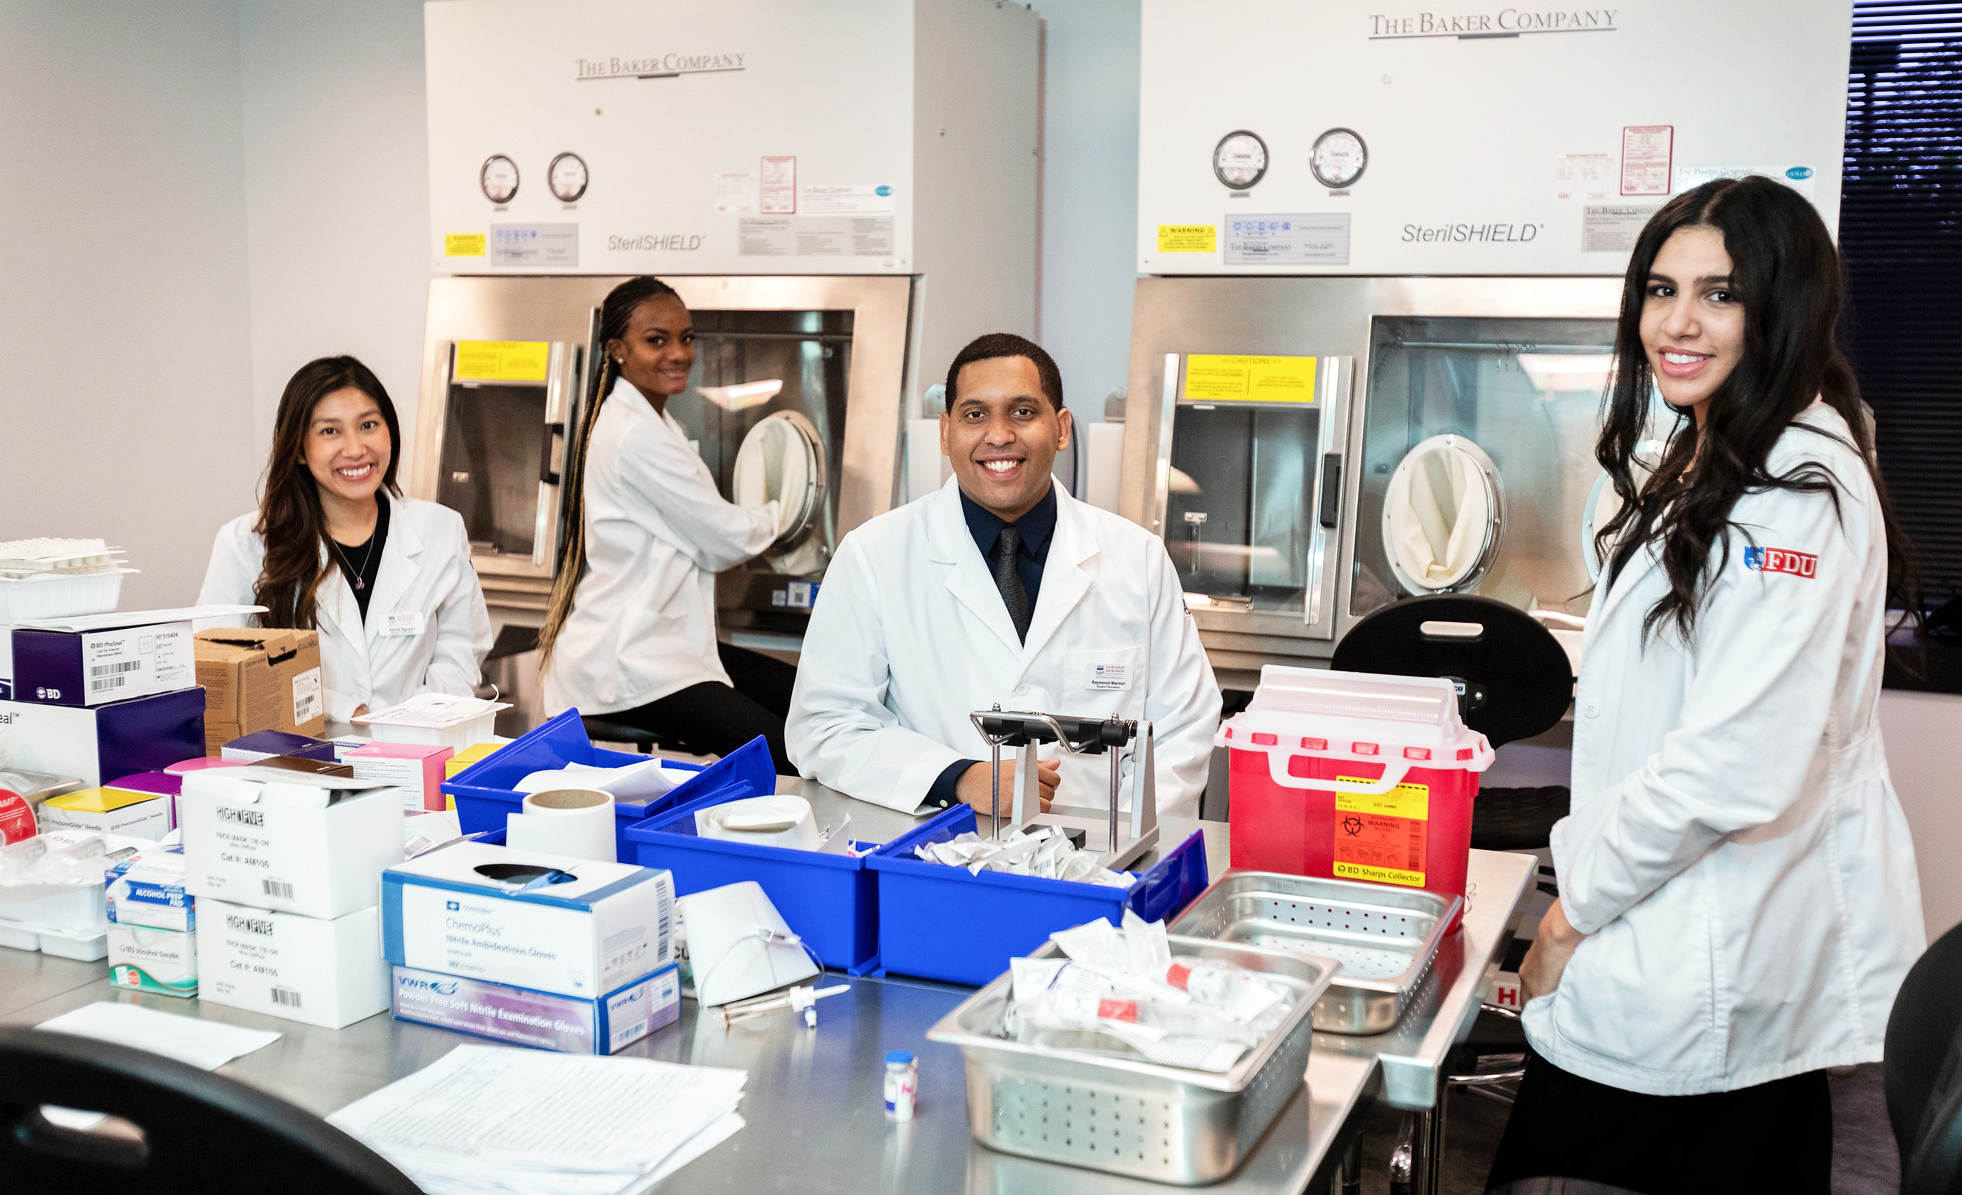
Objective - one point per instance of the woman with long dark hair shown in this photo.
(335, 547)
(631, 629)
(1738, 898)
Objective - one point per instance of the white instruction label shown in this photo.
(736, 193)
(307, 703)
(815, 236)
(119, 665)
(846, 199)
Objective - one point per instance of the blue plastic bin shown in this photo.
(830, 901)
(485, 796)
(941, 922)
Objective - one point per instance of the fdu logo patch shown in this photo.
(1782, 560)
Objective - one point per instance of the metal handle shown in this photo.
(546, 473)
(1331, 505)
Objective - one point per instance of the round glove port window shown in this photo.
(1443, 516)
(782, 460)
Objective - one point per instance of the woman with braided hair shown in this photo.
(631, 629)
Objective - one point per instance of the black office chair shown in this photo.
(199, 1131)
(1922, 1070)
(602, 729)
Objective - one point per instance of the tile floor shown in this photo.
(1864, 1160)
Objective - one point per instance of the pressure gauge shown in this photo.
(1338, 158)
(567, 177)
(498, 178)
(1240, 159)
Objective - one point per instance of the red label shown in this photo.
(16, 818)
(1117, 1010)
(1177, 974)
(1782, 560)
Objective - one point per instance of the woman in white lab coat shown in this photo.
(1738, 895)
(334, 546)
(631, 630)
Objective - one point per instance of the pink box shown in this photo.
(418, 768)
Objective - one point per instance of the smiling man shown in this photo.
(997, 588)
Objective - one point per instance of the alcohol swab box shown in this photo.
(153, 960)
(313, 969)
(542, 1020)
(299, 836)
(550, 923)
(147, 889)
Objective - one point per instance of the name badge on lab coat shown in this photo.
(402, 624)
(1106, 670)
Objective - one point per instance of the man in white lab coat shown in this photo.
(999, 587)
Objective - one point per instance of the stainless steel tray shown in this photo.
(1383, 937)
(1125, 1115)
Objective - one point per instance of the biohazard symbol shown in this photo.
(1352, 825)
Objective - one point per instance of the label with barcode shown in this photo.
(282, 889)
(664, 919)
(102, 684)
(1381, 836)
(119, 666)
(286, 997)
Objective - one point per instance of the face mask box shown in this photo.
(100, 658)
(299, 836)
(153, 960)
(259, 679)
(540, 1020)
(415, 768)
(324, 972)
(98, 743)
(109, 811)
(550, 923)
(147, 890)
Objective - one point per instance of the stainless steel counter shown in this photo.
(814, 1104)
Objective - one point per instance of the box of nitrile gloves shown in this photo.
(543, 1020)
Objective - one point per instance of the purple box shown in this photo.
(164, 784)
(542, 1020)
(105, 741)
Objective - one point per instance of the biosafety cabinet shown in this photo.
(1383, 273)
(843, 194)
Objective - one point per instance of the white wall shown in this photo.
(1921, 731)
(124, 407)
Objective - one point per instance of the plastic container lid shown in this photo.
(899, 1058)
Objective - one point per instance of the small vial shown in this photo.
(902, 1080)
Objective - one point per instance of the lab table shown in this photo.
(814, 1099)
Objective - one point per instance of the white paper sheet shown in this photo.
(207, 1044)
(635, 782)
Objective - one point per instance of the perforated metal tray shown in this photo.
(1383, 937)
(1124, 1115)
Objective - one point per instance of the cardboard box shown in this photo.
(153, 960)
(147, 889)
(300, 836)
(468, 756)
(99, 743)
(539, 1019)
(109, 810)
(161, 784)
(100, 658)
(587, 935)
(264, 744)
(323, 972)
(413, 767)
(260, 679)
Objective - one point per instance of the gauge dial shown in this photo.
(567, 177)
(1338, 158)
(498, 178)
(1240, 159)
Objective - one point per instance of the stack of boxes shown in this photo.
(284, 858)
(152, 924)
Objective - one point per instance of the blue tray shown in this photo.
(941, 922)
(484, 796)
(830, 901)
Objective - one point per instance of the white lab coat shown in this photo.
(657, 531)
(909, 635)
(436, 645)
(1736, 852)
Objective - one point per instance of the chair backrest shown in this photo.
(1517, 679)
(1922, 1071)
(200, 1131)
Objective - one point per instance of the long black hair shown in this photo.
(615, 313)
(1786, 273)
(290, 518)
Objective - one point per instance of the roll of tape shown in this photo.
(578, 822)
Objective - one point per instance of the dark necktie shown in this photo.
(1009, 580)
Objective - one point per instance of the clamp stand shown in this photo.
(1079, 736)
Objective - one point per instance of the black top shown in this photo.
(361, 563)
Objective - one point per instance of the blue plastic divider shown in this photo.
(941, 922)
(485, 796)
(830, 901)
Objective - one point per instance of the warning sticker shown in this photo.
(1380, 836)
(1187, 238)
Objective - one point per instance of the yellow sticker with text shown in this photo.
(463, 244)
(1187, 238)
(1381, 837)
(502, 360)
(1240, 378)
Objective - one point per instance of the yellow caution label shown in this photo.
(1187, 238)
(502, 360)
(1381, 837)
(1233, 378)
(463, 244)
(1405, 800)
(1377, 875)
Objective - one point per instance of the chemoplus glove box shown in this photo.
(551, 923)
(299, 836)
